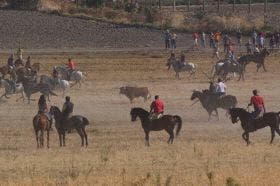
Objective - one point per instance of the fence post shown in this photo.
(250, 6)
(189, 4)
(203, 5)
(219, 1)
(233, 6)
(174, 5)
(265, 6)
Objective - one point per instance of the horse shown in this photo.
(55, 83)
(211, 101)
(31, 87)
(190, 67)
(271, 119)
(74, 122)
(166, 122)
(9, 89)
(258, 58)
(5, 70)
(41, 123)
(76, 75)
(224, 67)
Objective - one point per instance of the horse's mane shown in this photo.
(57, 109)
(138, 109)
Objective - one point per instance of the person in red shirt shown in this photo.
(195, 38)
(71, 66)
(157, 108)
(258, 103)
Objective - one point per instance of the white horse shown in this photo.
(189, 67)
(61, 84)
(76, 75)
(9, 89)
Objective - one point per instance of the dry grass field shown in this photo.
(205, 153)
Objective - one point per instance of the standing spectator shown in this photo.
(217, 38)
(211, 40)
(239, 37)
(167, 37)
(261, 42)
(226, 41)
(277, 39)
(254, 37)
(195, 39)
(203, 40)
(216, 53)
(249, 47)
(173, 40)
(272, 43)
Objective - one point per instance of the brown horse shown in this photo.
(166, 122)
(41, 123)
(248, 124)
(259, 59)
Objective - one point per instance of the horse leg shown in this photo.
(272, 134)
(217, 114)
(63, 137)
(171, 136)
(147, 139)
(37, 138)
(79, 130)
(48, 138)
(264, 67)
(60, 138)
(247, 137)
(85, 134)
(278, 131)
(244, 136)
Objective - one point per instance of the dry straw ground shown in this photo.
(205, 153)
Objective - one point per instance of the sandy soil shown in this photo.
(204, 153)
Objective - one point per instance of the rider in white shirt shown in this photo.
(221, 87)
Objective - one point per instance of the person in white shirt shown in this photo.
(221, 87)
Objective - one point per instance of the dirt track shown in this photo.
(116, 154)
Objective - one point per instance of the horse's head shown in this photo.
(133, 114)
(138, 112)
(54, 111)
(195, 94)
(234, 115)
(122, 90)
(265, 52)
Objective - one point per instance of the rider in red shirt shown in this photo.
(258, 103)
(157, 107)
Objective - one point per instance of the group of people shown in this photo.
(182, 62)
(67, 108)
(170, 40)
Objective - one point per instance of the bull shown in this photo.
(135, 92)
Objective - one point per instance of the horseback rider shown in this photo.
(258, 103)
(67, 108)
(71, 66)
(157, 108)
(28, 63)
(183, 62)
(55, 75)
(10, 62)
(43, 108)
(220, 88)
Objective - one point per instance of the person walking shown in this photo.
(195, 40)
(167, 37)
(203, 40)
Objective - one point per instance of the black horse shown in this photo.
(248, 124)
(259, 59)
(166, 122)
(75, 122)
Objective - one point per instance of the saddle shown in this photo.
(155, 116)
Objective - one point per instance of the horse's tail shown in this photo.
(85, 121)
(178, 121)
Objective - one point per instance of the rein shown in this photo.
(194, 103)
